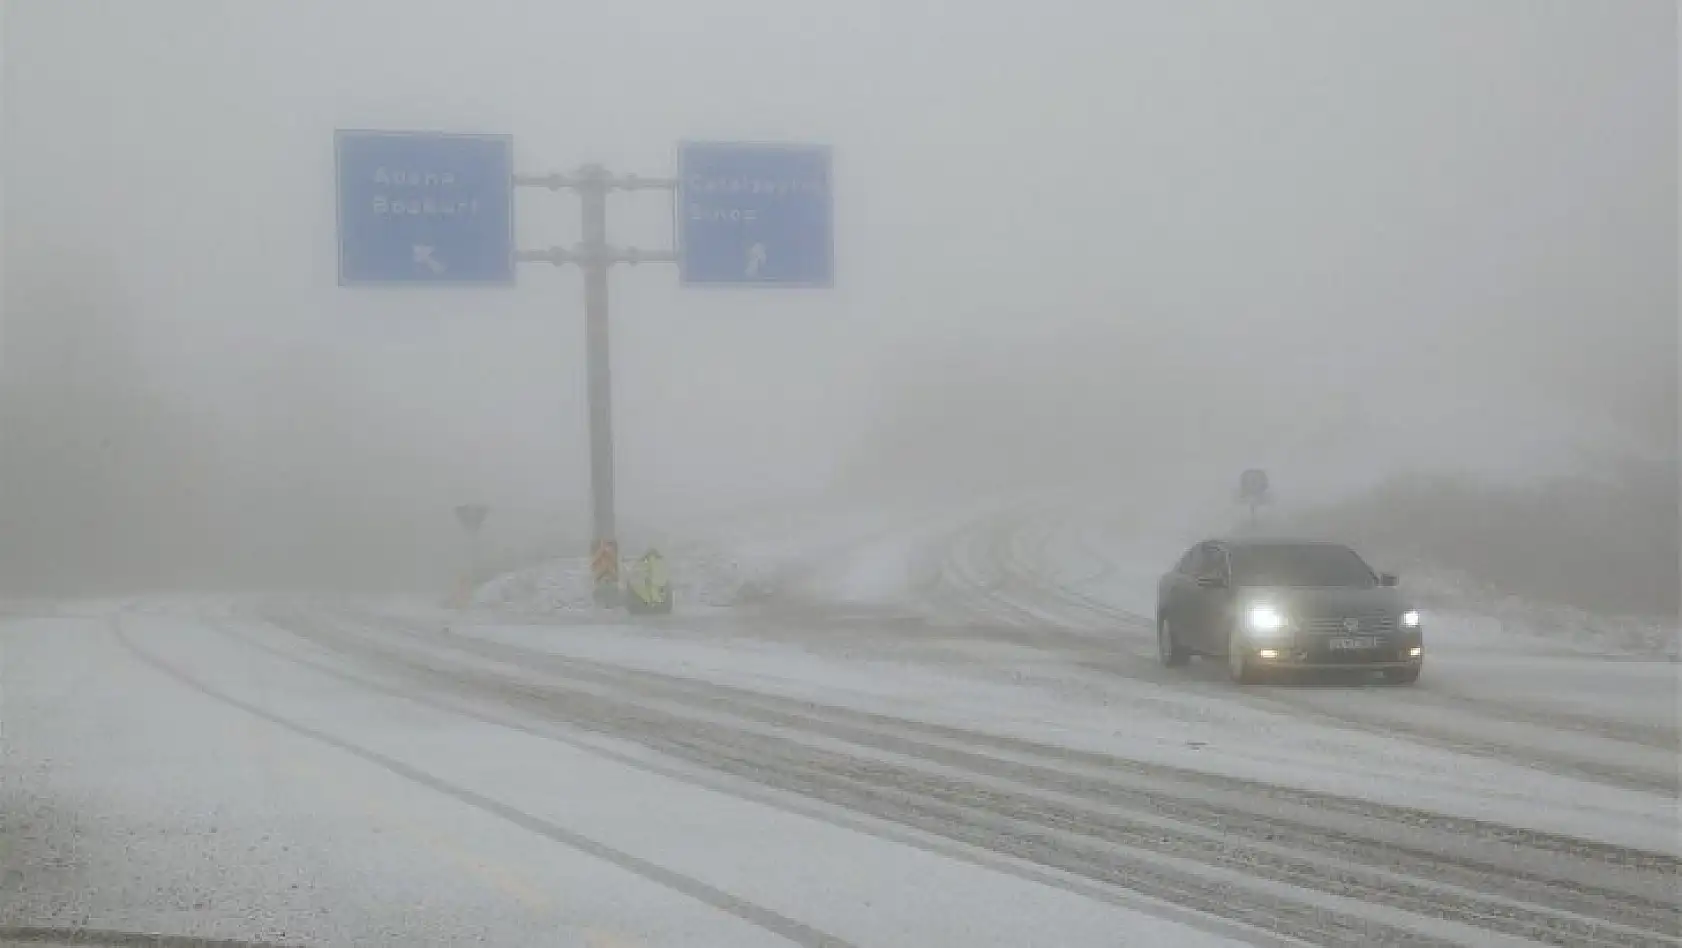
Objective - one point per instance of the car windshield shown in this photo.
(1300, 564)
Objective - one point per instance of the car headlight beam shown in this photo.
(1410, 619)
(1264, 619)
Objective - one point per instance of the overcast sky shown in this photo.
(1453, 223)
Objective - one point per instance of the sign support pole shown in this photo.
(594, 255)
(592, 196)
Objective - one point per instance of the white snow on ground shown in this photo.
(158, 808)
(1033, 630)
(1475, 605)
(1113, 551)
(843, 556)
(1026, 692)
(136, 805)
(1497, 686)
(701, 579)
(559, 585)
(874, 571)
(1141, 551)
(1033, 619)
(1140, 720)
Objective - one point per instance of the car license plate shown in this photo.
(1357, 642)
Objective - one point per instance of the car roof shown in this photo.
(1242, 542)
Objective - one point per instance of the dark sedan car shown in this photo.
(1286, 604)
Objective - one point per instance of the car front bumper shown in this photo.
(1336, 666)
(1393, 653)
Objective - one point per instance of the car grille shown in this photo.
(1333, 625)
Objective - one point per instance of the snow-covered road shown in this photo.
(948, 734)
(306, 778)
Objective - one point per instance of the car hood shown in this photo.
(1330, 601)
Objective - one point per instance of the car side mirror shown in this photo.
(1212, 581)
(1388, 579)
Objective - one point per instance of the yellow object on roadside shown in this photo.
(650, 584)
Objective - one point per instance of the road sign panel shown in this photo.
(755, 215)
(425, 207)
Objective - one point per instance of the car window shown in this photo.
(1188, 562)
(1300, 564)
(1200, 560)
(1214, 561)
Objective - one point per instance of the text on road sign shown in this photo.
(771, 186)
(423, 207)
(742, 215)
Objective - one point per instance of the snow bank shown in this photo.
(1093, 553)
(841, 556)
(1481, 606)
(560, 585)
(701, 578)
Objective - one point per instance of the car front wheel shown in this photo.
(1239, 665)
(1402, 676)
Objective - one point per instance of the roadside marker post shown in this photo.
(471, 519)
(604, 564)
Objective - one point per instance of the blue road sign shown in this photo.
(425, 207)
(755, 215)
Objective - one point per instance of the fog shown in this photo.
(1078, 243)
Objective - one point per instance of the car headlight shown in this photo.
(1410, 619)
(1265, 619)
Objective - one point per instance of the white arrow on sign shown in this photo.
(756, 259)
(424, 257)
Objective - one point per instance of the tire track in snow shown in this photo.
(781, 925)
(424, 693)
(1023, 593)
(1080, 809)
(874, 788)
